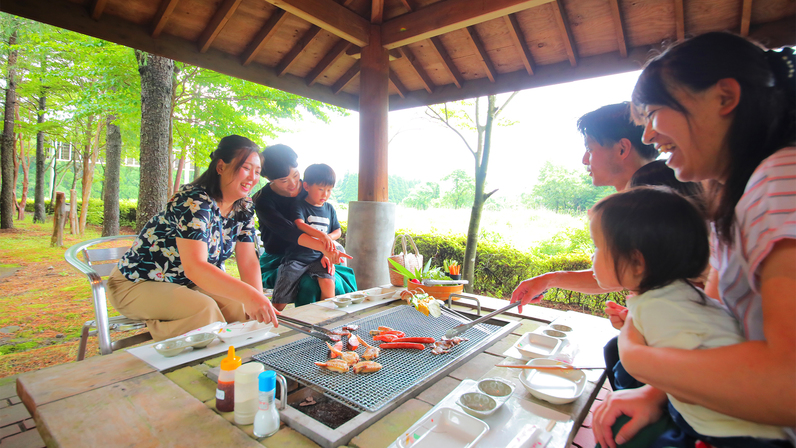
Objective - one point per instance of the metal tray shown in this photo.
(403, 369)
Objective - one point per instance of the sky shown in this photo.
(544, 130)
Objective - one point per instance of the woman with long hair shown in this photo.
(173, 275)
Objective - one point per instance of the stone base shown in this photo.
(371, 233)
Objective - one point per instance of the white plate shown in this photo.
(554, 386)
(445, 428)
(379, 293)
(240, 329)
(535, 345)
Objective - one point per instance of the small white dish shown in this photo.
(477, 404)
(561, 327)
(554, 333)
(554, 386)
(357, 297)
(535, 345)
(200, 340)
(378, 293)
(496, 388)
(240, 329)
(341, 302)
(171, 348)
(444, 428)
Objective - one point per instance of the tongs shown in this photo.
(306, 328)
(459, 329)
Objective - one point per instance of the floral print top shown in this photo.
(191, 214)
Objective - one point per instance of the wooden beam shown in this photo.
(374, 106)
(399, 86)
(356, 53)
(544, 75)
(620, 31)
(263, 36)
(563, 26)
(329, 15)
(377, 12)
(297, 50)
(347, 77)
(217, 23)
(479, 47)
(164, 13)
(519, 41)
(428, 84)
(746, 17)
(331, 57)
(447, 62)
(679, 19)
(75, 17)
(446, 16)
(97, 7)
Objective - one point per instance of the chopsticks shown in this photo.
(549, 367)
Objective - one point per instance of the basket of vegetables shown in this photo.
(414, 280)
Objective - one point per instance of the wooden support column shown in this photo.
(374, 104)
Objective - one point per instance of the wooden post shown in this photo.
(73, 212)
(59, 219)
(374, 105)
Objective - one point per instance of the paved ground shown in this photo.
(585, 436)
(17, 428)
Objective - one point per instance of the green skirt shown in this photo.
(309, 291)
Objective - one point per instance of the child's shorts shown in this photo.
(287, 280)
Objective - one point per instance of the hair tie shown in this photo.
(782, 66)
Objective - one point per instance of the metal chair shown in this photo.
(96, 264)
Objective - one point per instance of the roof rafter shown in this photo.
(479, 47)
(377, 12)
(519, 41)
(220, 18)
(446, 16)
(329, 15)
(399, 86)
(346, 79)
(428, 84)
(97, 7)
(164, 13)
(679, 19)
(331, 57)
(447, 62)
(563, 26)
(263, 36)
(746, 17)
(620, 31)
(356, 53)
(297, 50)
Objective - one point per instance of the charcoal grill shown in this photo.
(402, 369)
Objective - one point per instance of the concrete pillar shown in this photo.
(371, 232)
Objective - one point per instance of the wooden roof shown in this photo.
(440, 50)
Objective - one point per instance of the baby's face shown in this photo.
(603, 264)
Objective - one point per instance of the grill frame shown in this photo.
(403, 371)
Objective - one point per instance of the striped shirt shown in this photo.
(765, 215)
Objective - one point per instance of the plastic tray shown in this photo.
(237, 330)
(535, 345)
(557, 387)
(445, 428)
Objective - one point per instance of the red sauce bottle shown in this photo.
(225, 394)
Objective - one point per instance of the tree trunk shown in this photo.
(38, 209)
(89, 162)
(156, 84)
(59, 219)
(24, 162)
(178, 176)
(113, 163)
(7, 144)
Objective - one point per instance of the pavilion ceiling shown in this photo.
(439, 50)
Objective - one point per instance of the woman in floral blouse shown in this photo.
(172, 276)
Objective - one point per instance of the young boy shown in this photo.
(318, 219)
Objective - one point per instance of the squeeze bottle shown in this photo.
(225, 394)
(246, 391)
(266, 422)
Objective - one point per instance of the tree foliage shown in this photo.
(347, 188)
(560, 189)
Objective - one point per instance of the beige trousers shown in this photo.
(170, 309)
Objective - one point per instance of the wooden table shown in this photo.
(118, 400)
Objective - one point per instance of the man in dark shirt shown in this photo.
(313, 216)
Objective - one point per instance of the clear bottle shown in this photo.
(246, 392)
(266, 421)
(225, 394)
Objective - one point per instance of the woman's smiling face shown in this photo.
(697, 141)
(288, 186)
(237, 184)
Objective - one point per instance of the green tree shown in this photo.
(422, 196)
(560, 189)
(462, 190)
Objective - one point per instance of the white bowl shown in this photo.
(379, 293)
(341, 302)
(560, 327)
(171, 348)
(554, 386)
(496, 388)
(554, 333)
(200, 340)
(477, 404)
(535, 345)
(357, 297)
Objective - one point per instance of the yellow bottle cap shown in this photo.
(231, 362)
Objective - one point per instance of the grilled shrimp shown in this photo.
(335, 365)
(371, 352)
(367, 367)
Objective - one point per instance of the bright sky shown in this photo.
(545, 130)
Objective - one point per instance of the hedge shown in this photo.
(96, 208)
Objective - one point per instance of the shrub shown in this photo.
(96, 210)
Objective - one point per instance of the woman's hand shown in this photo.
(644, 406)
(528, 290)
(327, 242)
(616, 313)
(261, 309)
(325, 262)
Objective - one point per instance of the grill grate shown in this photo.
(403, 369)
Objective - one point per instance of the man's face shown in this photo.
(602, 162)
